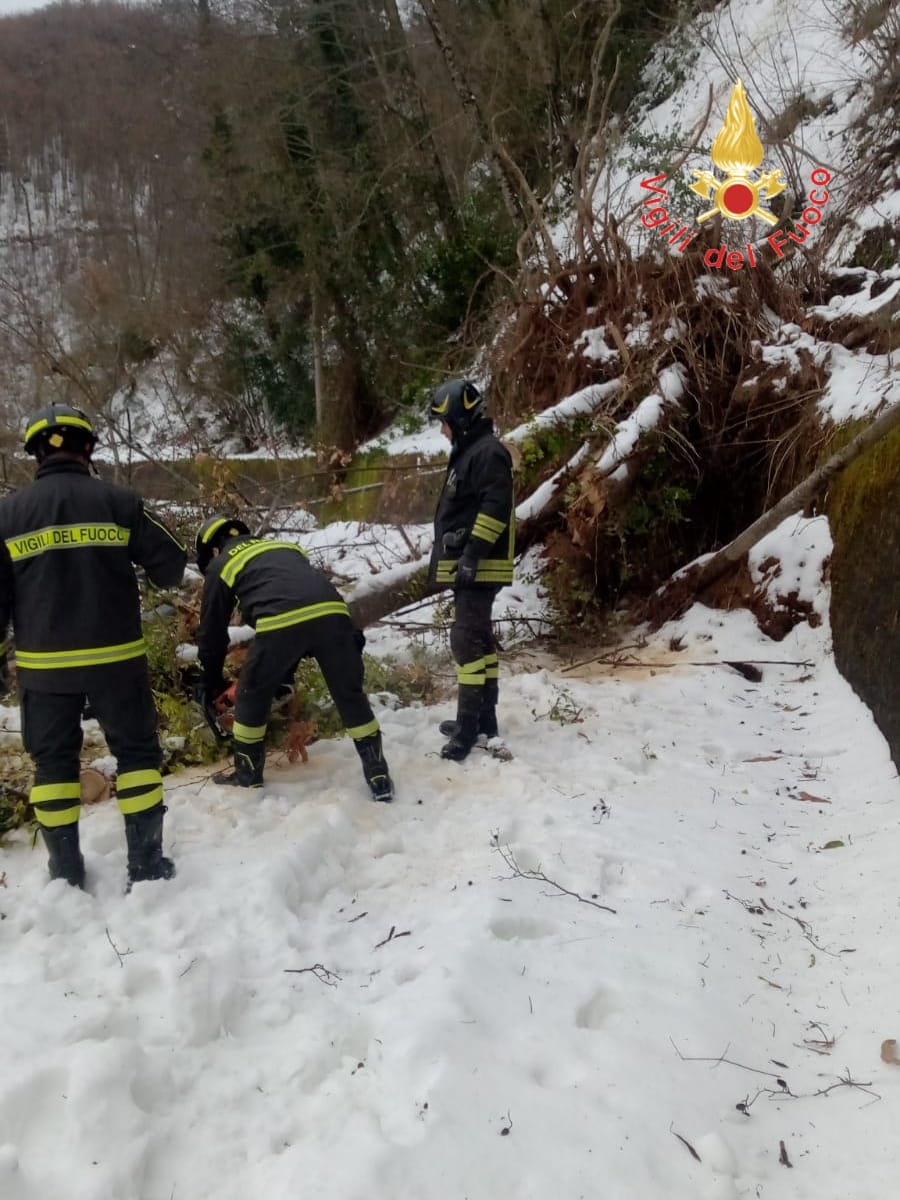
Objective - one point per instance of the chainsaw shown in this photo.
(219, 713)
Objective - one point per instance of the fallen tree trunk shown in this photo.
(388, 592)
(695, 579)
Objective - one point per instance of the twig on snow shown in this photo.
(721, 1059)
(508, 856)
(330, 978)
(121, 955)
(392, 937)
(685, 1142)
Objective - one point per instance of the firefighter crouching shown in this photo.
(296, 613)
(68, 545)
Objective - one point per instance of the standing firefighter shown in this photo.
(474, 543)
(296, 613)
(68, 542)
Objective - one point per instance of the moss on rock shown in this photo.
(865, 522)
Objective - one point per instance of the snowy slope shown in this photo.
(454, 1029)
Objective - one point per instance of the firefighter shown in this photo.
(296, 613)
(474, 544)
(68, 545)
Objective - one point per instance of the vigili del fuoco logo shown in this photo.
(738, 192)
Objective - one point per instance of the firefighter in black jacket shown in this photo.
(296, 613)
(68, 542)
(474, 545)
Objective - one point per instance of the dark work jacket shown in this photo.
(68, 545)
(275, 587)
(475, 513)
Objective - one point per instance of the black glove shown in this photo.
(360, 638)
(206, 693)
(465, 570)
(206, 697)
(454, 539)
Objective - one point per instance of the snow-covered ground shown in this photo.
(433, 1000)
(651, 958)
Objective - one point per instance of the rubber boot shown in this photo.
(249, 760)
(64, 859)
(143, 833)
(487, 715)
(468, 708)
(375, 768)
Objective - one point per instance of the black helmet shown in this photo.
(59, 427)
(459, 403)
(215, 532)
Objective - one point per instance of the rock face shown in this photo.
(864, 513)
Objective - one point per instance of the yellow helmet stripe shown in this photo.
(62, 419)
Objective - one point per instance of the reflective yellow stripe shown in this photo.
(491, 667)
(487, 528)
(134, 779)
(210, 532)
(42, 792)
(58, 419)
(245, 553)
(361, 731)
(136, 791)
(168, 532)
(295, 616)
(494, 570)
(488, 570)
(141, 802)
(67, 537)
(485, 534)
(251, 734)
(94, 656)
(472, 672)
(491, 522)
(54, 817)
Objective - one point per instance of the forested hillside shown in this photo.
(264, 226)
(300, 212)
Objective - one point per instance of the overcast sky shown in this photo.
(16, 6)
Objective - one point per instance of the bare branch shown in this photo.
(508, 856)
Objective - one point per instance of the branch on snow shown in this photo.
(508, 856)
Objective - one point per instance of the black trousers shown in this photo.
(331, 642)
(472, 641)
(52, 735)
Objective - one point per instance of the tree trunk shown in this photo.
(444, 188)
(405, 585)
(469, 101)
(318, 381)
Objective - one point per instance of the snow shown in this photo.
(861, 303)
(646, 416)
(592, 344)
(858, 385)
(796, 551)
(581, 403)
(347, 1000)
